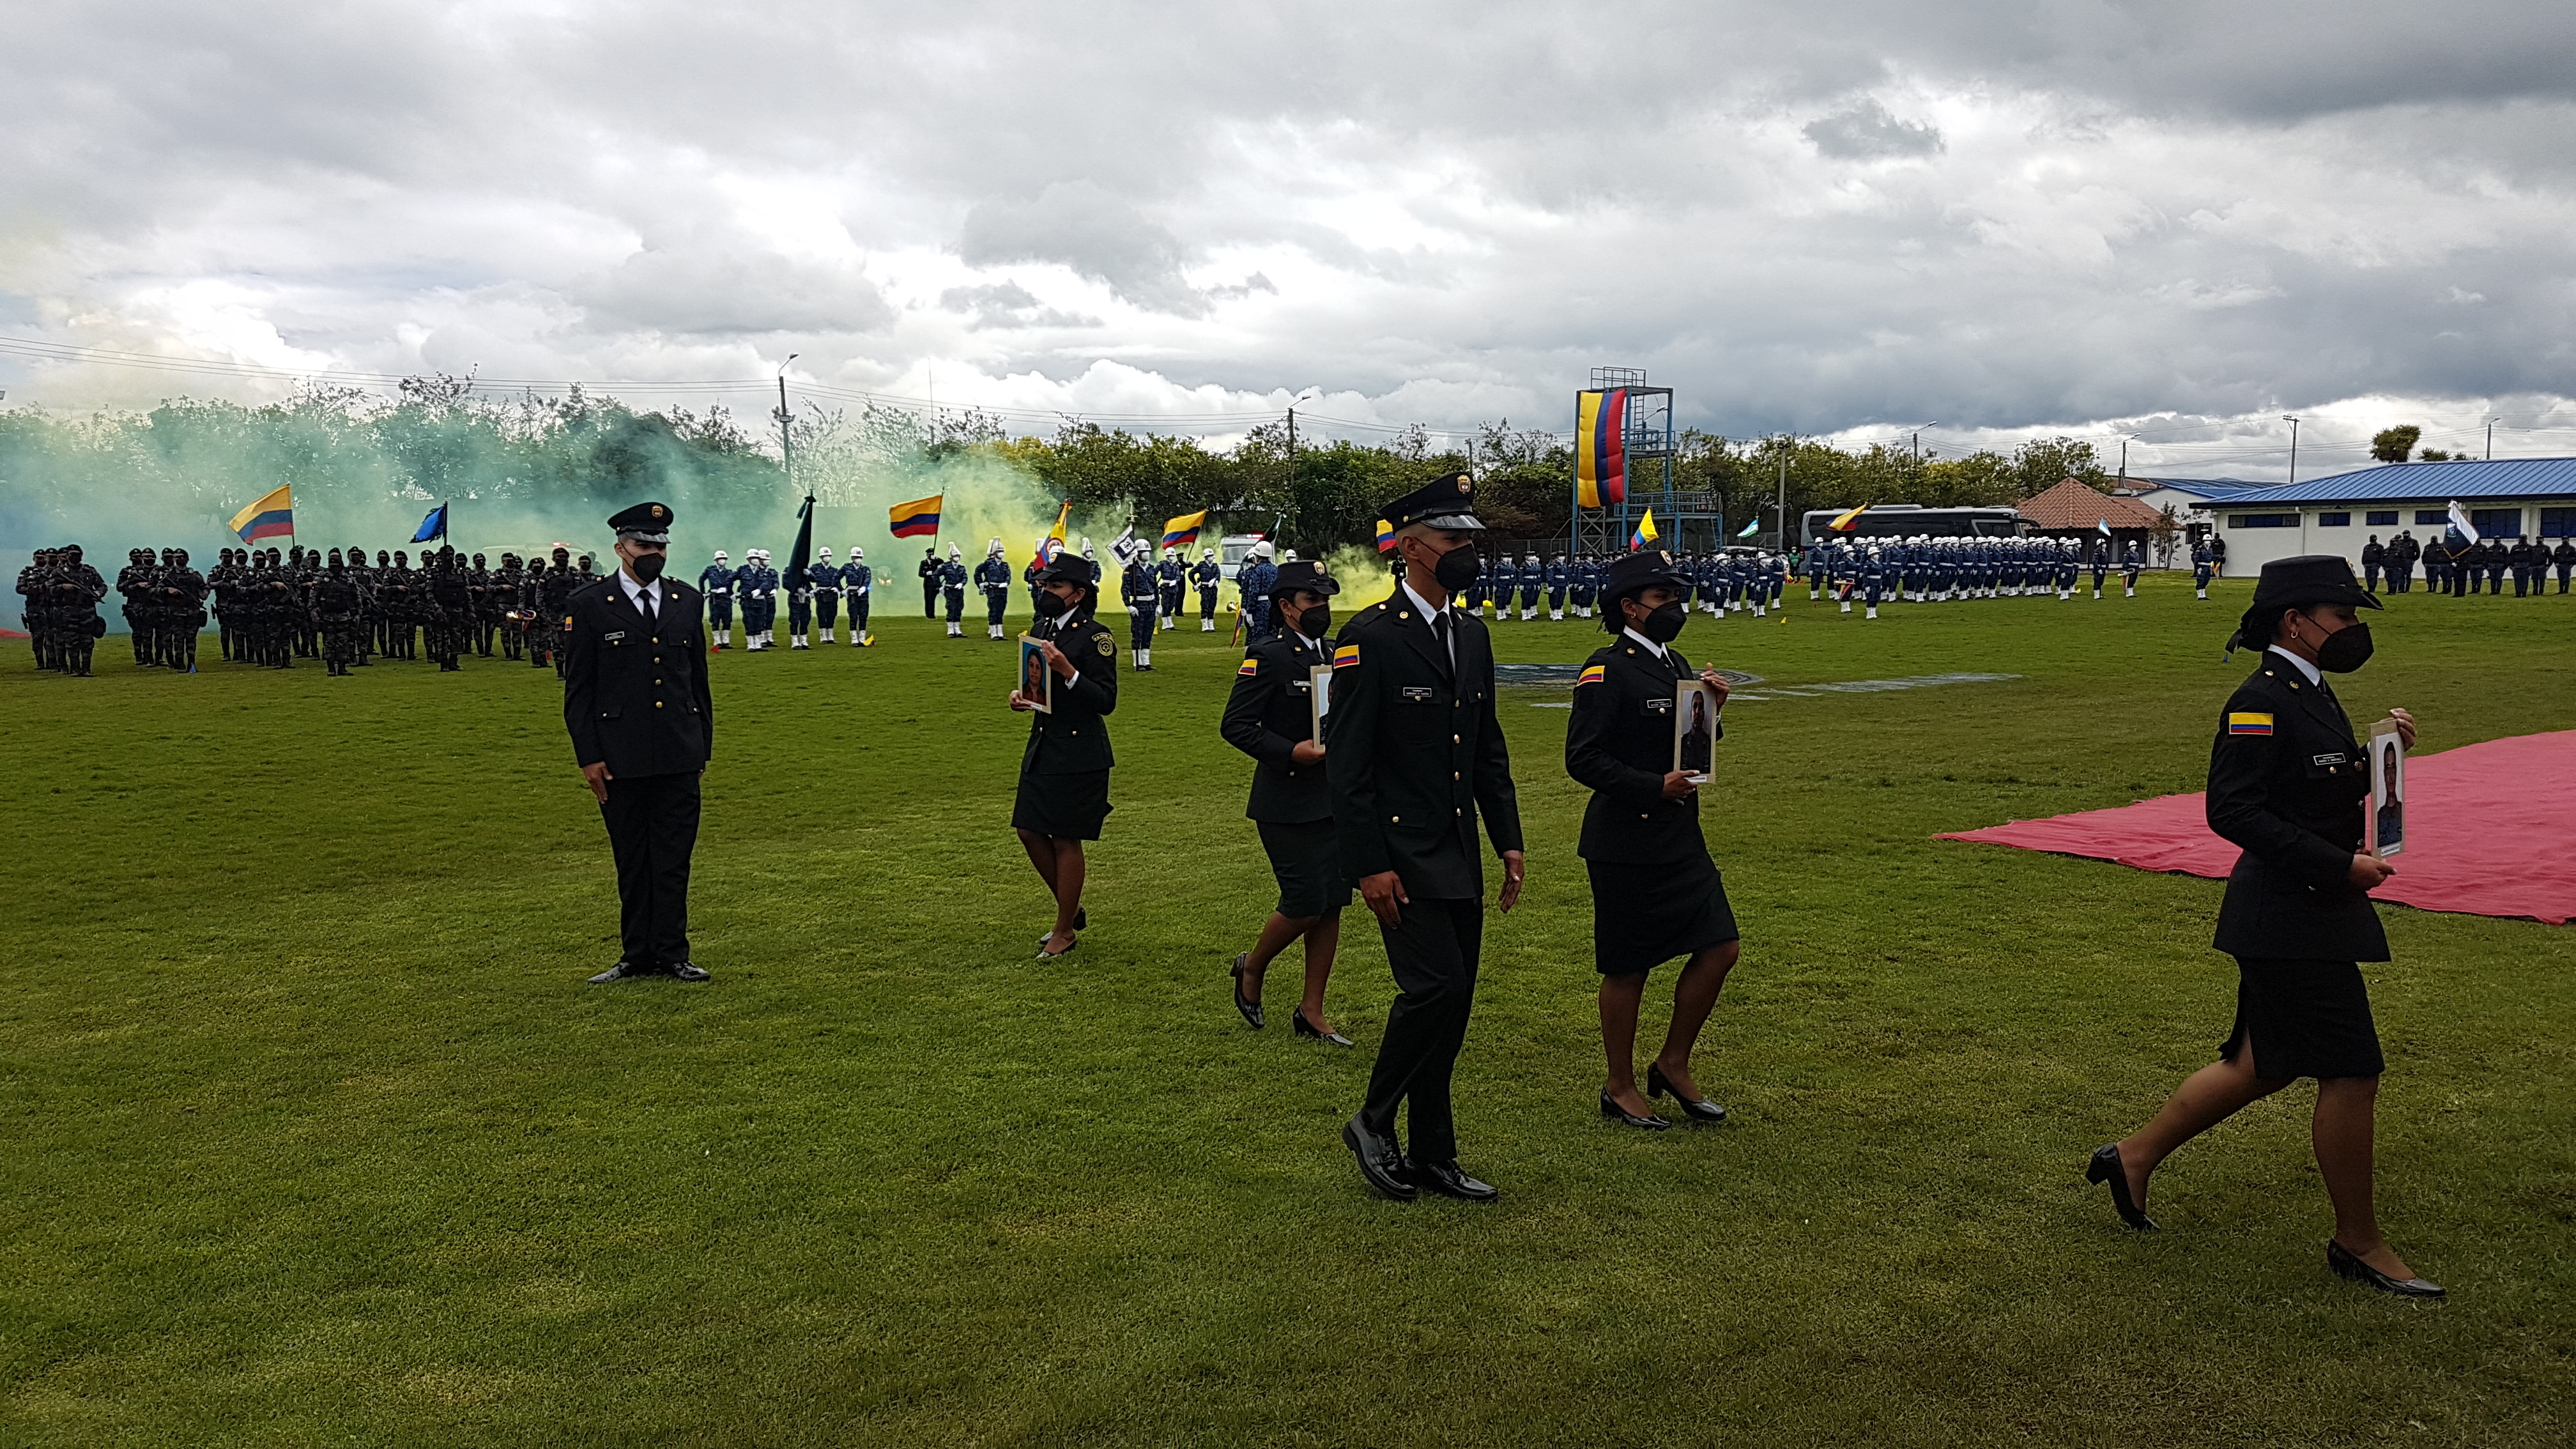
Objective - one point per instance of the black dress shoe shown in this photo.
(1381, 1159)
(2348, 1264)
(1610, 1108)
(1251, 1010)
(1445, 1179)
(623, 971)
(1297, 1014)
(688, 971)
(2106, 1167)
(1701, 1110)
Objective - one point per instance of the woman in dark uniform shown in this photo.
(2287, 784)
(1064, 772)
(1655, 893)
(1270, 716)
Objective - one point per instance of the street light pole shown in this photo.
(786, 448)
(2293, 420)
(2491, 422)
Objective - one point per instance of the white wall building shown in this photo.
(2505, 498)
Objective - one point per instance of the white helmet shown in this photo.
(955, 552)
(1207, 553)
(824, 554)
(855, 554)
(720, 555)
(994, 547)
(1260, 549)
(1289, 557)
(1528, 558)
(1168, 550)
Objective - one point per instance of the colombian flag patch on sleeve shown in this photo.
(1346, 656)
(1248, 668)
(1591, 674)
(2249, 724)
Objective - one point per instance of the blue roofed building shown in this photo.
(2505, 498)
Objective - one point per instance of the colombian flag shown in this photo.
(1645, 533)
(917, 519)
(1053, 542)
(270, 517)
(1183, 531)
(2249, 724)
(1592, 674)
(1247, 669)
(1346, 656)
(1385, 535)
(1601, 447)
(1843, 521)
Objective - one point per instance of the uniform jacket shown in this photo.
(1270, 711)
(823, 578)
(1414, 752)
(1619, 743)
(1136, 586)
(2287, 784)
(635, 695)
(994, 575)
(1075, 738)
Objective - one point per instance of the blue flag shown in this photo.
(1748, 530)
(434, 526)
(2105, 526)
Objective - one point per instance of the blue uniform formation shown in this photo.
(1923, 570)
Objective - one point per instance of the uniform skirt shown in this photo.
(1307, 860)
(2308, 1019)
(1644, 914)
(1068, 807)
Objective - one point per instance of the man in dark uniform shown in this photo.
(1413, 733)
(1270, 716)
(1063, 795)
(2289, 785)
(1170, 578)
(993, 576)
(336, 609)
(930, 571)
(2402, 553)
(1205, 575)
(1142, 593)
(2497, 557)
(2563, 557)
(2373, 558)
(182, 595)
(643, 727)
(2519, 557)
(134, 582)
(858, 584)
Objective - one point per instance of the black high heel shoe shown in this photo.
(2106, 1167)
(1610, 1108)
(1297, 1014)
(2347, 1264)
(1701, 1110)
(1251, 1009)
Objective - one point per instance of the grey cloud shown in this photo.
(1098, 235)
(1866, 132)
(727, 290)
(1007, 305)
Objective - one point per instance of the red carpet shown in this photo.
(2488, 832)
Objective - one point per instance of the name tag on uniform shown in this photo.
(1297, 684)
(614, 637)
(1660, 704)
(2337, 758)
(1417, 694)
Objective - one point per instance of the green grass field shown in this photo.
(315, 1136)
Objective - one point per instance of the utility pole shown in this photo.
(1784, 502)
(2293, 420)
(786, 449)
(2491, 440)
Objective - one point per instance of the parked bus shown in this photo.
(1904, 520)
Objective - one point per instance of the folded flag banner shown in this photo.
(1645, 533)
(1052, 542)
(1183, 531)
(917, 519)
(1601, 447)
(1385, 535)
(433, 526)
(1843, 521)
(1748, 530)
(270, 517)
(2105, 526)
(2459, 520)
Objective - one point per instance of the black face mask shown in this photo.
(1316, 622)
(2345, 650)
(1458, 568)
(1664, 625)
(647, 566)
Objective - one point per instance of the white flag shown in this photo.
(2460, 521)
(1126, 547)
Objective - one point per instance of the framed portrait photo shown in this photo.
(1037, 681)
(2387, 789)
(1319, 696)
(1694, 728)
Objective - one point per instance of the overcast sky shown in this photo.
(1840, 216)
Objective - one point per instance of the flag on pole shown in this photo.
(273, 516)
(1601, 447)
(1748, 530)
(1645, 533)
(1051, 542)
(2459, 520)
(1385, 535)
(2105, 526)
(1183, 531)
(917, 519)
(433, 526)
(1843, 521)
(1127, 547)
(803, 552)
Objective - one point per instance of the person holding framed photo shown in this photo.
(2288, 784)
(1271, 716)
(1064, 771)
(1656, 895)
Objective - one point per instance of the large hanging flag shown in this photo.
(271, 517)
(917, 519)
(1843, 521)
(803, 552)
(433, 526)
(1051, 542)
(1183, 531)
(1748, 530)
(2459, 521)
(1601, 447)
(1127, 547)
(1385, 536)
(1645, 533)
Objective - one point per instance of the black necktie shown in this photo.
(644, 600)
